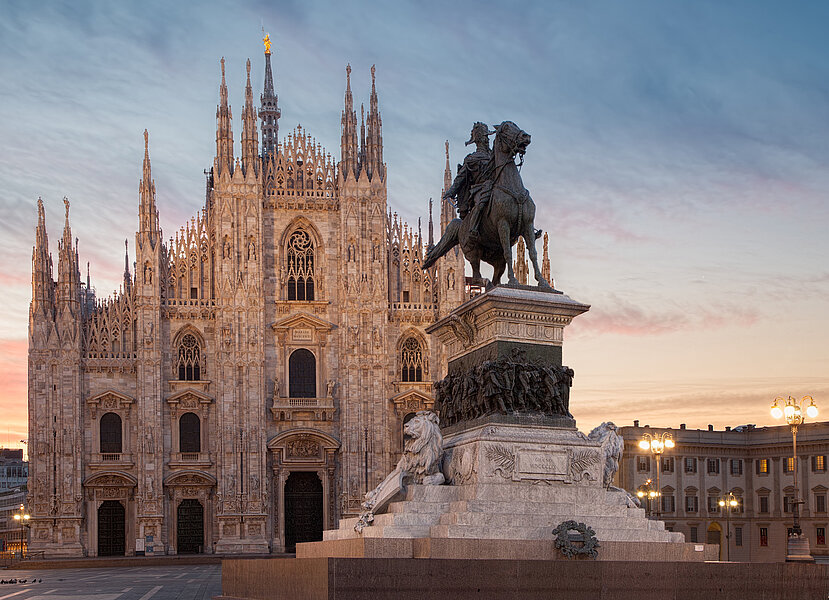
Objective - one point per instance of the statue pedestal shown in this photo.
(512, 475)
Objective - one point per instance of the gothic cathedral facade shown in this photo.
(250, 381)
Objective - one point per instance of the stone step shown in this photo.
(432, 493)
(527, 507)
(526, 492)
(418, 506)
(546, 519)
(545, 533)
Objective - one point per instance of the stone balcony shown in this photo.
(111, 460)
(303, 409)
(190, 460)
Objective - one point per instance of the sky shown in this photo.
(679, 161)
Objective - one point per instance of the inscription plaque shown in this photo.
(539, 464)
(302, 335)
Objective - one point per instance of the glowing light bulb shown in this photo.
(811, 411)
(722, 502)
(788, 411)
(776, 412)
(669, 443)
(644, 445)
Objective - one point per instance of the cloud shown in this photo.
(617, 316)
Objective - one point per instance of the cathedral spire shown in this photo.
(447, 209)
(224, 130)
(127, 276)
(147, 212)
(348, 144)
(269, 111)
(42, 283)
(361, 160)
(545, 263)
(374, 135)
(68, 273)
(431, 226)
(250, 143)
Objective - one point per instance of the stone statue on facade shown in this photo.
(494, 206)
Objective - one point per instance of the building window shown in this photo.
(667, 464)
(713, 504)
(694, 534)
(821, 536)
(762, 466)
(668, 505)
(302, 371)
(819, 463)
(110, 430)
(739, 507)
(820, 502)
(764, 504)
(412, 360)
(764, 536)
(643, 464)
(300, 266)
(691, 504)
(788, 503)
(738, 536)
(788, 465)
(690, 465)
(189, 433)
(736, 466)
(189, 359)
(713, 466)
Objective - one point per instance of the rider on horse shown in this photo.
(473, 184)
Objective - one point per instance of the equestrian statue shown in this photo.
(494, 207)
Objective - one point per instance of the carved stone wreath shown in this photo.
(568, 544)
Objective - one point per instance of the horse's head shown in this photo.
(511, 139)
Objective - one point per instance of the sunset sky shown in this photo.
(679, 160)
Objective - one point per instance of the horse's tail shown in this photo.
(446, 243)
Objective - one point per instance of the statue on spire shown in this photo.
(267, 41)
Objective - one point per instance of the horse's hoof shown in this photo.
(543, 285)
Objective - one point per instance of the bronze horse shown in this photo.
(510, 213)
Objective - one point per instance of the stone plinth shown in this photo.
(490, 325)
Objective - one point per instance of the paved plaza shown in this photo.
(190, 582)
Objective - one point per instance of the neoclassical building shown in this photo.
(250, 381)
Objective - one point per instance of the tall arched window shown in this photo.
(110, 430)
(412, 360)
(189, 433)
(302, 371)
(189, 361)
(300, 256)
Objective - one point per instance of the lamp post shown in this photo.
(728, 502)
(22, 517)
(793, 411)
(657, 443)
(646, 492)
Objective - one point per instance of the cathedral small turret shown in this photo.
(250, 142)
(224, 131)
(69, 285)
(447, 209)
(374, 136)
(348, 146)
(43, 286)
(269, 111)
(148, 229)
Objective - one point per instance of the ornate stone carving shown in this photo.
(580, 463)
(501, 458)
(303, 447)
(505, 386)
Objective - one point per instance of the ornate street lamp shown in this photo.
(23, 518)
(646, 492)
(657, 443)
(793, 411)
(729, 503)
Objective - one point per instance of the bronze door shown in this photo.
(111, 529)
(190, 527)
(303, 509)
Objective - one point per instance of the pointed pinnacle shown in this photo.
(146, 143)
(248, 68)
(223, 69)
